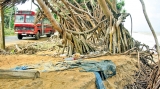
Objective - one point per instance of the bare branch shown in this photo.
(88, 31)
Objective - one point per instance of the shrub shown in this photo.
(8, 32)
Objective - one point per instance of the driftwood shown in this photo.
(23, 74)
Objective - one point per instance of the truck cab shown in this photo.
(24, 25)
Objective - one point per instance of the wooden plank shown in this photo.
(22, 74)
(2, 38)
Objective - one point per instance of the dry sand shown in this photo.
(68, 79)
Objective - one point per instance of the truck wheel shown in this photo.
(37, 36)
(49, 35)
(19, 36)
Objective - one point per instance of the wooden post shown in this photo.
(20, 74)
(2, 39)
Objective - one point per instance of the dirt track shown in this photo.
(9, 40)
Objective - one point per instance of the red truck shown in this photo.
(24, 25)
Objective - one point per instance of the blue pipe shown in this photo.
(99, 82)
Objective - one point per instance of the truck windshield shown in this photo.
(19, 18)
(29, 19)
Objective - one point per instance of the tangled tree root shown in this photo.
(148, 76)
(154, 78)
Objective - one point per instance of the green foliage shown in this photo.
(8, 32)
(120, 5)
(123, 11)
(12, 51)
(9, 20)
(9, 17)
(78, 1)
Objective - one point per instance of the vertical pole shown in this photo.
(2, 40)
(42, 23)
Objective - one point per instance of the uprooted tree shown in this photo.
(89, 25)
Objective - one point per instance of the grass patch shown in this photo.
(9, 32)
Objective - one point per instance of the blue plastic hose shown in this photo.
(99, 82)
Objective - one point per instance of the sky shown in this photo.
(133, 7)
(27, 6)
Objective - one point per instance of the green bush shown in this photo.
(9, 32)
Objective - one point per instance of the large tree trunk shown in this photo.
(114, 25)
(105, 8)
(2, 35)
(49, 15)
